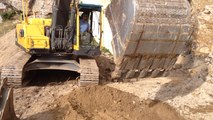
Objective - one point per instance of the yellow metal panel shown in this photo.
(76, 47)
(102, 28)
(34, 30)
(39, 42)
(34, 37)
(20, 40)
(40, 21)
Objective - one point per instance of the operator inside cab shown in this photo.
(84, 25)
(85, 30)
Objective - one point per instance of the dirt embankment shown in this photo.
(96, 103)
(10, 54)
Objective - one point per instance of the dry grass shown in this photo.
(8, 25)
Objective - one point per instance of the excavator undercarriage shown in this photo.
(18, 76)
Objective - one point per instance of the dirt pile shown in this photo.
(95, 103)
(30, 100)
(68, 102)
(204, 31)
(204, 36)
(106, 67)
(199, 5)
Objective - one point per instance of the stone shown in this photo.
(204, 50)
(2, 7)
(207, 12)
(208, 9)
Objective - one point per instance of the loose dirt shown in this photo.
(33, 100)
(7, 26)
(10, 54)
(101, 102)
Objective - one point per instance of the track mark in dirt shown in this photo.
(106, 103)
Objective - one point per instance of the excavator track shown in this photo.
(13, 75)
(89, 72)
(149, 35)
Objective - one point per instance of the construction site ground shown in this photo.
(186, 93)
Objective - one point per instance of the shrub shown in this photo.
(7, 15)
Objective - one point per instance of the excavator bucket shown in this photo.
(148, 35)
(6, 102)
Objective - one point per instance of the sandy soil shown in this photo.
(96, 103)
(33, 100)
(107, 103)
(10, 54)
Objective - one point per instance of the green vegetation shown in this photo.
(8, 15)
(105, 50)
(10, 18)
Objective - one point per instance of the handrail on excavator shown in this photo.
(25, 11)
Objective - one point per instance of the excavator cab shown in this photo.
(62, 34)
(90, 41)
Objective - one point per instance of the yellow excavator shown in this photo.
(59, 43)
(54, 44)
(147, 38)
